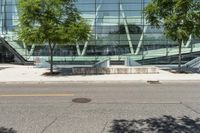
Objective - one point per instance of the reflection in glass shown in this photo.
(118, 27)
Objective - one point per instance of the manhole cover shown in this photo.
(81, 100)
(153, 82)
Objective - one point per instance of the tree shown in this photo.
(179, 18)
(55, 22)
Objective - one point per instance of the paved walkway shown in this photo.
(17, 73)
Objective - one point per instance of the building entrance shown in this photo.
(5, 55)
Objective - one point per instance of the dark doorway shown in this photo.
(1, 58)
(5, 55)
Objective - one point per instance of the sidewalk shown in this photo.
(17, 73)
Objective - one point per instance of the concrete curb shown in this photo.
(91, 81)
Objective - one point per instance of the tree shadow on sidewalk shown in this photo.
(59, 72)
(7, 130)
(164, 124)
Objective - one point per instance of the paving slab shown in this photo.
(31, 74)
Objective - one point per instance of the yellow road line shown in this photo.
(37, 95)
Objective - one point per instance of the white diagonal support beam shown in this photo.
(141, 40)
(3, 16)
(32, 50)
(78, 49)
(92, 27)
(189, 41)
(127, 29)
(27, 52)
(85, 48)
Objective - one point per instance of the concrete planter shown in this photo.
(114, 70)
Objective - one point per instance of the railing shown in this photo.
(192, 66)
(11, 49)
(20, 58)
(104, 63)
(12, 40)
(192, 63)
(146, 54)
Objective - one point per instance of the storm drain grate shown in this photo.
(81, 100)
(153, 82)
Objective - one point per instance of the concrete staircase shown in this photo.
(192, 66)
(17, 51)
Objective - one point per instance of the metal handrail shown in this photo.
(192, 62)
(10, 48)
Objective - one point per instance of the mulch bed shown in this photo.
(51, 74)
(181, 72)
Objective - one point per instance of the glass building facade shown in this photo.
(118, 29)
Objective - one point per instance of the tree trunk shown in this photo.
(51, 48)
(179, 56)
(51, 60)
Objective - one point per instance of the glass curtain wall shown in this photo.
(8, 21)
(118, 28)
(8, 16)
(117, 25)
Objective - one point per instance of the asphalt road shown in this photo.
(132, 107)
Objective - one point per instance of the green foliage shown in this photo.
(50, 21)
(179, 18)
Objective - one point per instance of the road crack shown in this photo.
(188, 107)
(54, 120)
(104, 127)
(50, 124)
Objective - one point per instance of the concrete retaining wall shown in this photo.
(115, 70)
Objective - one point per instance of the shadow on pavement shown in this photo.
(164, 124)
(7, 130)
(59, 72)
(1, 68)
(65, 71)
